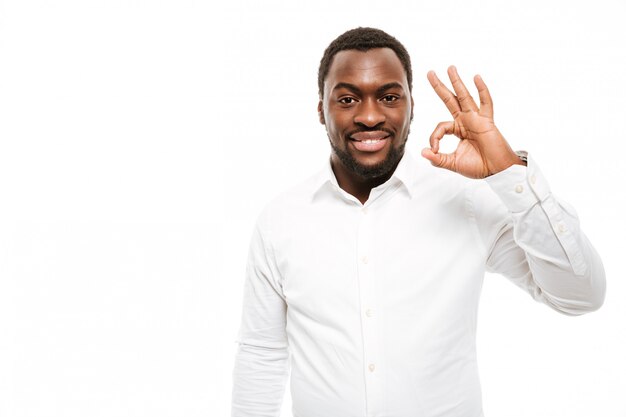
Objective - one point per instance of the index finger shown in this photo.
(444, 94)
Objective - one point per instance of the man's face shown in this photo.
(367, 110)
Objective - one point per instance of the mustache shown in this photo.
(372, 129)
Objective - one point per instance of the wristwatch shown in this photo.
(523, 155)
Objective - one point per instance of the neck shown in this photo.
(354, 184)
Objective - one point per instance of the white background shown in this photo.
(140, 139)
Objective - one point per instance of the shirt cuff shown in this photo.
(520, 187)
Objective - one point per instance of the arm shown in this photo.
(535, 241)
(262, 360)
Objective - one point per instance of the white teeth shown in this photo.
(371, 141)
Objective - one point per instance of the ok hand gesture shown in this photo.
(482, 151)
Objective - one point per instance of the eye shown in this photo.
(389, 98)
(347, 100)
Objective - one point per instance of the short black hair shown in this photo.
(363, 39)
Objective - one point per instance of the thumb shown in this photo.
(440, 160)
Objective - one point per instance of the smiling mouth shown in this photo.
(369, 141)
(369, 136)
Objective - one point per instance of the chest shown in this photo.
(398, 251)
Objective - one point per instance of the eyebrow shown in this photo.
(347, 86)
(388, 86)
(379, 90)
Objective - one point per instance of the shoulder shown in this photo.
(445, 188)
(292, 202)
(438, 184)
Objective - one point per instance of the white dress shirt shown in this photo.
(372, 307)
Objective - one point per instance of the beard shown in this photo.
(368, 172)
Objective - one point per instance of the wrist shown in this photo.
(514, 158)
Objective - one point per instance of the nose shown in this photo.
(369, 113)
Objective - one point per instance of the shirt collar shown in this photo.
(405, 174)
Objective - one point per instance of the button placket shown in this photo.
(366, 267)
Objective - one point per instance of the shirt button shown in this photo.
(371, 367)
(533, 179)
(364, 259)
(519, 189)
(364, 210)
(561, 228)
(369, 313)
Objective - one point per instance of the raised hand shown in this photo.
(482, 151)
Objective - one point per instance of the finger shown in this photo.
(486, 104)
(444, 94)
(463, 96)
(443, 128)
(441, 160)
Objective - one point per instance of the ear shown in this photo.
(412, 106)
(320, 112)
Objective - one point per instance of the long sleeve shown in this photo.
(535, 241)
(262, 360)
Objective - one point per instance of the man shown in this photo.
(366, 278)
